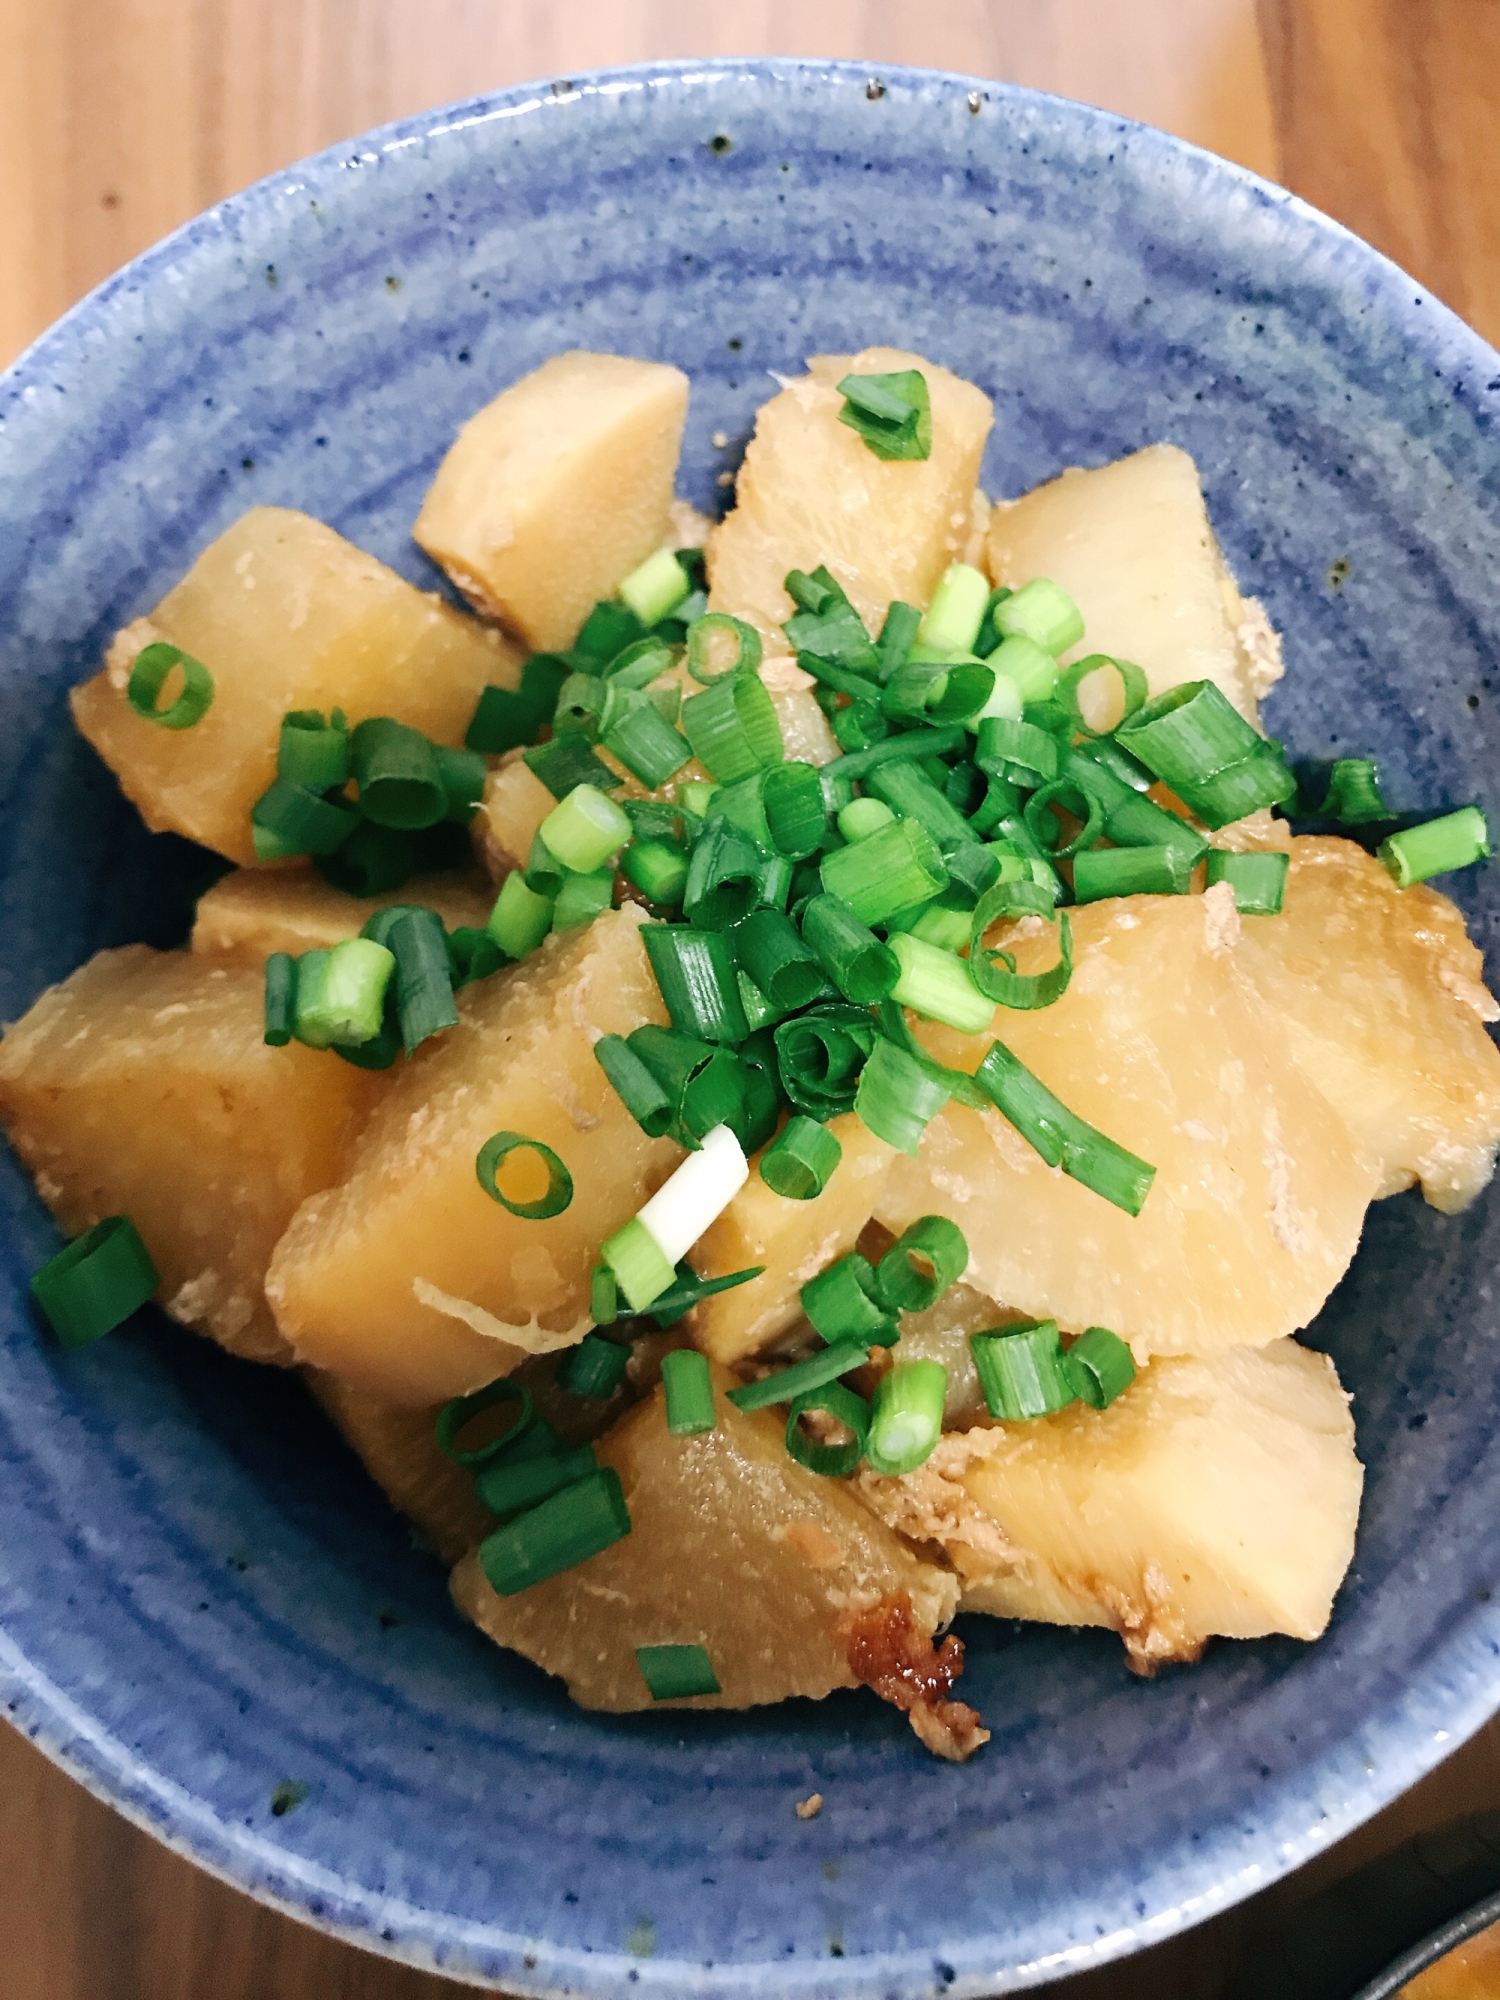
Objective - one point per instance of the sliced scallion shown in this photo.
(655, 587)
(907, 1418)
(894, 868)
(689, 1392)
(499, 1148)
(568, 761)
(723, 879)
(772, 951)
(514, 1483)
(801, 1162)
(424, 978)
(647, 744)
(604, 1296)
(658, 868)
(585, 829)
(1041, 611)
(506, 718)
(454, 1418)
(149, 673)
(897, 1096)
(636, 1084)
(695, 971)
(688, 1290)
(862, 817)
(677, 1673)
(281, 999)
(916, 743)
(562, 1532)
(289, 819)
(786, 1384)
(695, 1196)
(1099, 1366)
(1354, 797)
(594, 1368)
(953, 618)
(521, 918)
(1258, 880)
(994, 972)
(1060, 1136)
(642, 1271)
(1040, 813)
(1436, 847)
(793, 802)
(892, 413)
(844, 1303)
(830, 1461)
(396, 771)
(1133, 684)
(341, 993)
(96, 1282)
(1134, 871)
(820, 1055)
(909, 792)
(936, 985)
(929, 1255)
(311, 752)
(1022, 1371)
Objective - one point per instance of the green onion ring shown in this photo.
(701, 631)
(1022, 990)
(831, 1461)
(1040, 802)
(1133, 684)
(560, 1188)
(148, 676)
(461, 1410)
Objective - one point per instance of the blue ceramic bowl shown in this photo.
(201, 1599)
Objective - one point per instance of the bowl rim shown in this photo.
(1461, 1687)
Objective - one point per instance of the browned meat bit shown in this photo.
(889, 1652)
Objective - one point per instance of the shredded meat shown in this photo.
(890, 1654)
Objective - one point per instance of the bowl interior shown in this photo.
(201, 1599)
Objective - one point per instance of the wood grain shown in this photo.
(121, 118)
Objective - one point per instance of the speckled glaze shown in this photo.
(200, 1597)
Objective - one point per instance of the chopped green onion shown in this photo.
(696, 795)
(689, 1392)
(892, 412)
(801, 1162)
(836, 637)
(897, 636)
(562, 1532)
(461, 773)
(1005, 702)
(288, 819)
(994, 972)
(860, 966)
(695, 1196)
(341, 993)
(897, 1097)
(688, 1290)
(830, 1461)
(96, 1282)
(568, 761)
(702, 1083)
(1061, 1137)
(723, 878)
(641, 1269)
(505, 718)
(820, 1055)
(907, 1418)
(1454, 841)
(953, 618)
(844, 1303)
(396, 771)
(1099, 1366)
(1188, 734)
(732, 727)
(1259, 780)
(637, 666)
(1039, 610)
(604, 1296)
(695, 971)
(580, 703)
(424, 979)
(472, 954)
(281, 999)
(655, 587)
(943, 924)
(988, 637)
(647, 744)
(959, 1085)
(148, 676)
(1071, 796)
(795, 814)
(1135, 871)
(559, 1181)
(821, 593)
(460, 1411)
(313, 753)
(520, 918)
(1117, 763)
(1133, 684)
(1354, 794)
(743, 804)
(585, 830)
(936, 985)
(514, 1484)
(636, 1084)
(786, 1384)
(677, 1673)
(594, 1368)
(1129, 819)
(581, 898)
(862, 817)
(912, 795)
(916, 743)
(608, 630)
(658, 868)
(776, 877)
(953, 690)
(1026, 665)
(1258, 880)
(1022, 1371)
(700, 637)
(373, 861)
(1017, 751)
(544, 872)
(773, 953)
(928, 1256)
(975, 867)
(893, 869)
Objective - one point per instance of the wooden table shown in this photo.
(120, 118)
